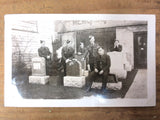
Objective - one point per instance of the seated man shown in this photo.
(101, 69)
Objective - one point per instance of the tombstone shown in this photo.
(74, 76)
(38, 66)
(38, 71)
(73, 68)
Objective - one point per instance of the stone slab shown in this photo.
(114, 86)
(74, 81)
(39, 79)
(110, 86)
(97, 85)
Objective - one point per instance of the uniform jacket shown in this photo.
(117, 48)
(81, 50)
(44, 52)
(92, 52)
(102, 63)
(67, 52)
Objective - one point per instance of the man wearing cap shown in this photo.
(91, 52)
(67, 54)
(102, 67)
(43, 51)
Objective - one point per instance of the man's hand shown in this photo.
(68, 60)
(82, 59)
(88, 66)
(79, 53)
(48, 57)
(96, 70)
(101, 72)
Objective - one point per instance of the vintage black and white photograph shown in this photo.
(85, 60)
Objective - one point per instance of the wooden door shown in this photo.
(140, 50)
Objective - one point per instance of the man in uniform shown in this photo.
(101, 69)
(67, 54)
(43, 51)
(91, 51)
(81, 49)
(117, 47)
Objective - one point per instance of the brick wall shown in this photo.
(24, 46)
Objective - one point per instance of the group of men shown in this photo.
(98, 61)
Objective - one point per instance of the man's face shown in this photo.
(43, 44)
(92, 40)
(100, 51)
(69, 44)
(116, 43)
(82, 45)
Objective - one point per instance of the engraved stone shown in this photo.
(38, 66)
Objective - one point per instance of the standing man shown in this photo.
(102, 68)
(92, 53)
(67, 54)
(43, 51)
(81, 49)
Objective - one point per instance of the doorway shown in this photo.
(140, 50)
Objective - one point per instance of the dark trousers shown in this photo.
(91, 67)
(93, 76)
(64, 67)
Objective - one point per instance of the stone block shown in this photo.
(118, 61)
(74, 81)
(114, 86)
(109, 86)
(97, 85)
(38, 79)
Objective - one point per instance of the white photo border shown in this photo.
(16, 101)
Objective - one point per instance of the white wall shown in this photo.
(126, 38)
(46, 30)
(26, 38)
(65, 26)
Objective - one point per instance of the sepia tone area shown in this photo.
(59, 81)
(95, 6)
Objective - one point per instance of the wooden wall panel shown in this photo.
(79, 6)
